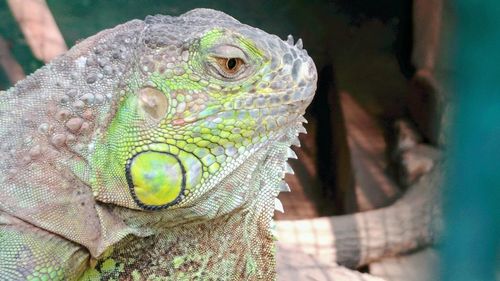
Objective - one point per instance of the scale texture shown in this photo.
(152, 151)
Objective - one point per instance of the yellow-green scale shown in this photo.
(158, 178)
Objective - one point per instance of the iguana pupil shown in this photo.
(156, 179)
(231, 63)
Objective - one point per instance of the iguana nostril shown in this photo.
(153, 102)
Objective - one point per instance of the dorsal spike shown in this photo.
(283, 187)
(291, 154)
(302, 130)
(299, 44)
(278, 206)
(302, 119)
(288, 169)
(289, 40)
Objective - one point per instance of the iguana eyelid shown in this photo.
(228, 51)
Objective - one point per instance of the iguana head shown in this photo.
(206, 93)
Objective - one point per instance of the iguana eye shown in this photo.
(228, 61)
(230, 66)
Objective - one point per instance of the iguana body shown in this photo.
(153, 150)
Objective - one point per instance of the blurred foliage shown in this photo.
(10, 31)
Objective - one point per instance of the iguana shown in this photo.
(152, 151)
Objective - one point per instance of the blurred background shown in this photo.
(381, 117)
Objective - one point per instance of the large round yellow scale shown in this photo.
(156, 179)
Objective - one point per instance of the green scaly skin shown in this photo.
(151, 151)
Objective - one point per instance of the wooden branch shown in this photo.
(9, 64)
(39, 28)
(427, 16)
(292, 264)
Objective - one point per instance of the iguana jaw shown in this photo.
(233, 187)
(236, 215)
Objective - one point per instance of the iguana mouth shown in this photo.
(290, 107)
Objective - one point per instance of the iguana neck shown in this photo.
(208, 250)
(236, 242)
